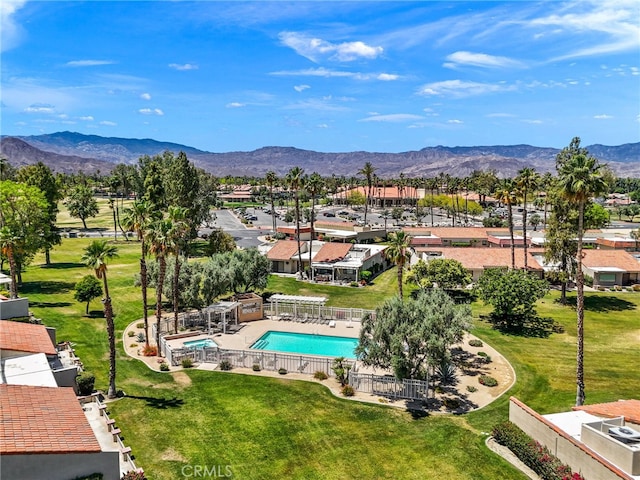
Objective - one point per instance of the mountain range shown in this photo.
(73, 152)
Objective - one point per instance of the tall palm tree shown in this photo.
(295, 181)
(137, 218)
(178, 237)
(506, 194)
(271, 180)
(526, 181)
(96, 256)
(159, 235)
(399, 252)
(368, 171)
(315, 187)
(580, 178)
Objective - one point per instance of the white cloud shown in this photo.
(387, 77)
(235, 105)
(108, 123)
(40, 108)
(500, 115)
(322, 125)
(88, 118)
(455, 121)
(463, 58)
(10, 32)
(328, 73)
(183, 67)
(602, 117)
(393, 117)
(315, 48)
(151, 111)
(459, 88)
(88, 63)
(301, 88)
(145, 96)
(533, 122)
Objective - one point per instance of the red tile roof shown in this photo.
(617, 242)
(25, 337)
(629, 409)
(283, 250)
(457, 232)
(331, 252)
(480, 258)
(610, 258)
(43, 420)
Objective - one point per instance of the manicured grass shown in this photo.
(277, 428)
(103, 221)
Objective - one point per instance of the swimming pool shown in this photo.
(307, 344)
(202, 343)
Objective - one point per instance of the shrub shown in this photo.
(150, 351)
(485, 358)
(636, 288)
(446, 371)
(475, 343)
(487, 381)
(225, 365)
(164, 367)
(348, 391)
(133, 345)
(451, 403)
(86, 381)
(588, 280)
(256, 367)
(131, 475)
(140, 325)
(140, 338)
(341, 370)
(471, 389)
(533, 454)
(320, 375)
(354, 284)
(131, 333)
(187, 362)
(282, 371)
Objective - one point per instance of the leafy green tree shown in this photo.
(249, 270)
(81, 204)
(506, 194)
(220, 242)
(399, 252)
(368, 171)
(87, 289)
(216, 278)
(580, 178)
(512, 293)
(96, 256)
(159, 235)
(178, 237)
(445, 273)
(409, 336)
(138, 218)
(534, 221)
(182, 185)
(23, 223)
(356, 198)
(40, 176)
(271, 179)
(526, 181)
(295, 182)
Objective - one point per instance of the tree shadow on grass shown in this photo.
(601, 303)
(160, 403)
(64, 265)
(46, 287)
(533, 326)
(49, 304)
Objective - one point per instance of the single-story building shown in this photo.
(477, 260)
(611, 267)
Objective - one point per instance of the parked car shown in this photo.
(329, 214)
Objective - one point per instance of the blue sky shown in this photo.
(329, 76)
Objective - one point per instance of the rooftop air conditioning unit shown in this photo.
(625, 434)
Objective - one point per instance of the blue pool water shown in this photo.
(307, 344)
(203, 343)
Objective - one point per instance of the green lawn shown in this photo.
(276, 428)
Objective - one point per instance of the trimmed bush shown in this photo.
(86, 381)
(164, 367)
(320, 375)
(282, 371)
(471, 389)
(487, 381)
(475, 343)
(348, 391)
(451, 403)
(187, 362)
(256, 367)
(131, 333)
(225, 365)
(140, 325)
(533, 454)
(131, 475)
